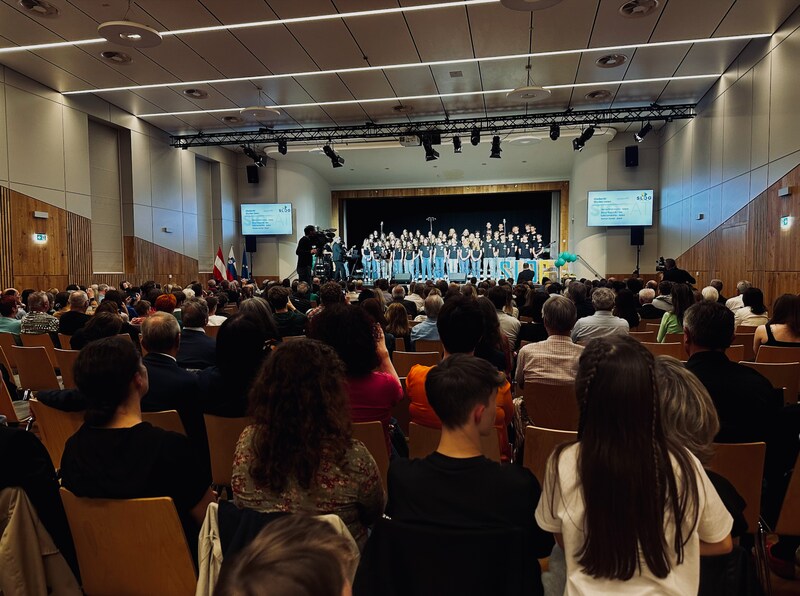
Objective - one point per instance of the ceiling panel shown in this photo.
(611, 27)
(412, 81)
(384, 39)
(41, 70)
(289, 9)
(366, 85)
(133, 103)
(425, 109)
(505, 74)
(710, 58)
(171, 101)
(468, 80)
(226, 54)
(685, 91)
(565, 26)
(555, 70)
(649, 63)
(70, 24)
(755, 16)
(229, 13)
(441, 34)
(310, 116)
(180, 60)
(329, 43)
(177, 126)
(458, 107)
(639, 94)
(277, 49)
(705, 18)
(499, 32)
(325, 88)
(243, 93)
(347, 115)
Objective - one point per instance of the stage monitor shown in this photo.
(620, 208)
(267, 219)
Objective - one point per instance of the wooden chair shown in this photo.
(429, 345)
(742, 464)
(748, 329)
(776, 354)
(526, 319)
(4, 360)
(672, 349)
(644, 335)
(651, 327)
(422, 441)
(223, 434)
(166, 419)
(16, 412)
(551, 406)
(65, 341)
(400, 410)
(35, 370)
(130, 546)
(746, 340)
(782, 375)
(212, 330)
(399, 344)
(403, 361)
(735, 353)
(673, 338)
(126, 336)
(66, 363)
(789, 517)
(55, 427)
(539, 444)
(371, 434)
(6, 341)
(41, 340)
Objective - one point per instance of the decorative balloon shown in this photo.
(560, 262)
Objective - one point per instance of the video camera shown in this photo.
(661, 266)
(321, 237)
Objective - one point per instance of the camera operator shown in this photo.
(674, 274)
(306, 248)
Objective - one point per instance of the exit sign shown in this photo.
(40, 238)
(786, 222)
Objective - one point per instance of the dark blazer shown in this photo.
(71, 321)
(197, 350)
(525, 276)
(411, 307)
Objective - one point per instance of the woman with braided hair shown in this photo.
(632, 509)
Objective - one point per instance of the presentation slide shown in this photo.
(267, 219)
(620, 208)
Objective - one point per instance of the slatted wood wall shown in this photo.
(751, 245)
(6, 258)
(147, 261)
(79, 247)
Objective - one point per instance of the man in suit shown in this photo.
(76, 316)
(525, 275)
(197, 350)
(399, 296)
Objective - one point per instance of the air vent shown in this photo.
(599, 95)
(116, 57)
(529, 5)
(611, 60)
(402, 109)
(232, 120)
(456, 74)
(39, 8)
(636, 9)
(196, 93)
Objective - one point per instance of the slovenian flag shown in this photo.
(232, 275)
(219, 265)
(245, 270)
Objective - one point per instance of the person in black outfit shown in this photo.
(197, 350)
(525, 275)
(305, 249)
(76, 316)
(675, 275)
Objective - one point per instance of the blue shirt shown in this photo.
(425, 330)
(9, 325)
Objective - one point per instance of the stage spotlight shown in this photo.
(282, 147)
(580, 142)
(258, 159)
(431, 154)
(639, 136)
(555, 132)
(475, 137)
(495, 154)
(336, 160)
(456, 144)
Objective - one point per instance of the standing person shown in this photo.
(425, 257)
(488, 254)
(397, 259)
(366, 259)
(408, 259)
(417, 261)
(475, 259)
(452, 258)
(463, 258)
(645, 508)
(339, 250)
(502, 254)
(439, 252)
(674, 274)
(305, 251)
(512, 256)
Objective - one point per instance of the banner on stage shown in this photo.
(510, 268)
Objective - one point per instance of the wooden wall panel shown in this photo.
(147, 261)
(79, 248)
(6, 259)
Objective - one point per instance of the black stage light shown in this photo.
(456, 144)
(555, 132)
(578, 144)
(259, 160)
(431, 154)
(282, 147)
(495, 154)
(475, 137)
(639, 136)
(336, 160)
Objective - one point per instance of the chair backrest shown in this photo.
(126, 336)
(65, 341)
(735, 353)
(6, 362)
(524, 319)
(400, 410)
(212, 330)
(672, 349)
(399, 344)
(782, 375)
(403, 361)
(35, 370)
(55, 427)
(673, 338)
(777, 354)
(130, 546)
(7, 405)
(643, 335)
(66, 363)
(748, 329)
(651, 326)
(429, 345)
(742, 464)
(551, 406)
(746, 340)
(374, 439)
(166, 419)
(423, 440)
(6, 341)
(789, 518)
(539, 444)
(41, 340)
(223, 434)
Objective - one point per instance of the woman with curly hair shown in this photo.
(299, 455)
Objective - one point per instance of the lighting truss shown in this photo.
(446, 127)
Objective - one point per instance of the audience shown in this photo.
(627, 307)
(510, 326)
(664, 299)
(300, 299)
(576, 291)
(399, 297)
(290, 322)
(535, 331)
(494, 346)
(426, 329)
(76, 316)
(783, 329)
(9, 323)
(647, 311)
(197, 350)
(214, 320)
(681, 298)
(100, 325)
(737, 302)
(753, 312)
(602, 323)
(710, 293)
(330, 293)
(397, 323)
(717, 285)
(37, 321)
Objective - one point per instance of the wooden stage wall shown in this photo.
(67, 256)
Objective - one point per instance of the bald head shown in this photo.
(161, 333)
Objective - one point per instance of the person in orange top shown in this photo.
(460, 326)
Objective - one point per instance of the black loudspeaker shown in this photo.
(252, 174)
(631, 156)
(637, 235)
(402, 278)
(459, 278)
(250, 244)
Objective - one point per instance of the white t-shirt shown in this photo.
(713, 525)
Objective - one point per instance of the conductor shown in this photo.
(306, 247)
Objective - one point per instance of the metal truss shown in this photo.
(463, 126)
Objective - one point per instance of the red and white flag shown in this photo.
(219, 266)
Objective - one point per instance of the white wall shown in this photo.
(589, 172)
(746, 136)
(104, 173)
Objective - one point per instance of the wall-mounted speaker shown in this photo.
(252, 174)
(631, 156)
(250, 244)
(402, 278)
(459, 278)
(637, 235)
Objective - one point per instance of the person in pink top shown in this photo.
(372, 383)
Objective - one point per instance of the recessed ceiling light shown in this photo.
(529, 94)
(638, 8)
(232, 120)
(40, 8)
(116, 57)
(611, 60)
(529, 5)
(196, 93)
(259, 113)
(128, 33)
(599, 95)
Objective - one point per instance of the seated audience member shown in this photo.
(260, 309)
(299, 454)
(427, 328)
(499, 297)
(576, 291)
(535, 331)
(672, 322)
(296, 555)
(737, 301)
(626, 307)
(664, 299)
(602, 323)
(290, 322)
(456, 487)
(214, 320)
(180, 298)
(493, 346)
(648, 311)
(300, 299)
(166, 303)
(8, 316)
(783, 329)
(647, 510)
(525, 275)
(416, 294)
(329, 293)
(372, 384)
(60, 304)
(754, 312)
(717, 285)
(37, 321)
(117, 298)
(243, 342)
(115, 455)
(397, 323)
(399, 297)
(197, 350)
(143, 309)
(744, 399)
(460, 328)
(100, 325)
(710, 293)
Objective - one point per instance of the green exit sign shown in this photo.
(40, 238)
(786, 222)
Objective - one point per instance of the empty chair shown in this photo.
(399, 344)
(782, 375)
(212, 330)
(6, 341)
(673, 338)
(403, 361)
(735, 353)
(223, 434)
(672, 349)
(644, 335)
(16, 412)
(524, 319)
(777, 354)
(422, 441)
(55, 427)
(7, 364)
(551, 406)
(746, 340)
(66, 362)
(166, 419)
(371, 434)
(45, 341)
(130, 546)
(539, 444)
(65, 340)
(742, 464)
(650, 327)
(429, 345)
(35, 370)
